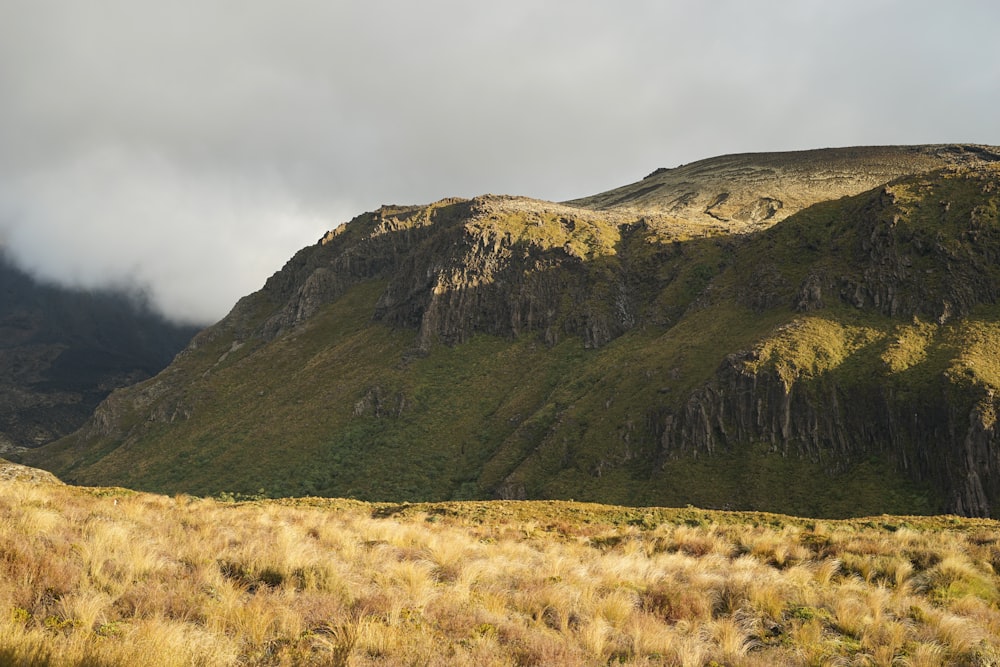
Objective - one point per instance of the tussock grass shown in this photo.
(112, 577)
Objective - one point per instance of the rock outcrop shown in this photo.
(12, 472)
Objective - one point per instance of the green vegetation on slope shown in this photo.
(840, 363)
(480, 413)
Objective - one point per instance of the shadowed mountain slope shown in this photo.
(835, 357)
(62, 351)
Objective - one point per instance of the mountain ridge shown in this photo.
(814, 175)
(760, 363)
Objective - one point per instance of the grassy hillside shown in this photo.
(463, 421)
(104, 576)
(840, 362)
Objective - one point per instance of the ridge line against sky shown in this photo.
(190, 148)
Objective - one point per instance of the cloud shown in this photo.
(192, 147)
(119, 218)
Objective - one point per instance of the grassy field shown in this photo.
(114, 577)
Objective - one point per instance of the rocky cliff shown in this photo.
(906, 374)
(810, 332)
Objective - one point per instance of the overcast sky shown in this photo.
(190, 147)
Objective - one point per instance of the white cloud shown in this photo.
(194, 241)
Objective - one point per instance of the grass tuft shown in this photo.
(121, 578)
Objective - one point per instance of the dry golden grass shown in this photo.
(111, 577)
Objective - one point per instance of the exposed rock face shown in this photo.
(931, 439)
(829, 308)
(489, 274)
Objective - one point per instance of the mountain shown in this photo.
(62, 351)
(809, 332)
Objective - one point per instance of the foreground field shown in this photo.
(112, 577)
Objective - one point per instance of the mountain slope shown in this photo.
(834, 358)
(739, 193)
(62, 351)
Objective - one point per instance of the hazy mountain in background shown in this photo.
(62, 351)
(811, 332)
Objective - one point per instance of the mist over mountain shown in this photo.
(812, 332)
(62, 351)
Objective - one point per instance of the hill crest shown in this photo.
(749, 191)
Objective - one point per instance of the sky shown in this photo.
(188, 148)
